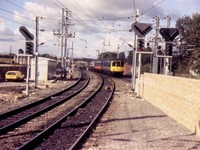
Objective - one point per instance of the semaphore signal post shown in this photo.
(140, 30)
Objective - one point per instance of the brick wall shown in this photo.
(177, 97)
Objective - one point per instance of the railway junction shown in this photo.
(128, 122)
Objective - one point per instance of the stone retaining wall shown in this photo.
(177, 97)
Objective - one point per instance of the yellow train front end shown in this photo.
(117, 68)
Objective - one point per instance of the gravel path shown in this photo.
(134, 124)
(12, 94)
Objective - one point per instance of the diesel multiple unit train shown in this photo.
(112, 67)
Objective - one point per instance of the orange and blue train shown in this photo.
(114, 67)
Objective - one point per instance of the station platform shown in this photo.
(135, 124)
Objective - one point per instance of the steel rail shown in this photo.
(48, 131)
(20, 109)
(27, 118)
(95, 120)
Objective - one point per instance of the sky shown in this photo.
(98, 25)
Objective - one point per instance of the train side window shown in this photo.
(108, 65)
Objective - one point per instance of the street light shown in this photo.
(42, 43)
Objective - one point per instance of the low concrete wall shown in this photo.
(177, 97)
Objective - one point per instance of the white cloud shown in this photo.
(91, 20)
(4, 30)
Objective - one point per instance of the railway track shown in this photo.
(12, 123)
(28, 112)
(71, 130)
(6, 117)
(24, 135)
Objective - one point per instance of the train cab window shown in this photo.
(113, 64)
(122, 64)
(118, 63)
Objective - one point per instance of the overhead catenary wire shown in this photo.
(91, 10)
(16, 5)
(16, 22)
(152, 7)
(21, 7)
(117, 18)
(93, 19)
(16, 14)
(82, 22)
(97, 17)
(83, 10)
(24, 10)
(87, 26)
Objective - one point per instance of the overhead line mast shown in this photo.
(155, 59)
(133, 80)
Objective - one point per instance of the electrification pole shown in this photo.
(133, 80)
(65, 45)
(72, 57)
(66, 52)
(36, 52)
(62, 43)
(155, 59)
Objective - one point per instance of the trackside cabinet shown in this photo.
(46, 69)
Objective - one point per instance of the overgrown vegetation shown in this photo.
(188, 57)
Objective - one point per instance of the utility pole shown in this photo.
(62, 43)
(65, 43)
(27, 76)
(36, 52)
(63, 33)
(72, 57)
(66, 52)
(133, 80)
(155, 59)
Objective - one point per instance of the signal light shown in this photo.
(25, 32)
(29, 48)
(141, 29)
(20, 51)
(169, 34)
(140, 44)
(169, 49)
